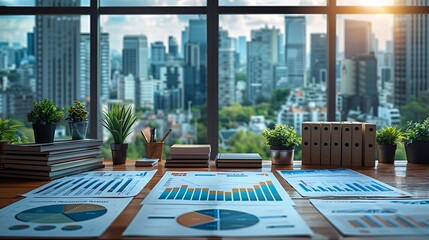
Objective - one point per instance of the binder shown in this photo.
(369, 130)
(306, 142)
(336, 143)
(346, 139)
(356, 144)
(325, 143)
(315, 143)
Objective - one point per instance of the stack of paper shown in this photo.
(48, 161)
(189, 155)
(238, 160)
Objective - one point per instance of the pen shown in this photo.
(144, 137)
(153, 135)
(166, 135)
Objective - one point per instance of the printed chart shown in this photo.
(60, 217)
(96, 184)
(230, 188)
(376, 218)
(337, 183)
(204, 220)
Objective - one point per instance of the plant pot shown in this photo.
(78, 130)
(44, 133)
(417, 152)
(386, 153)
(119, 153)
(282, 156)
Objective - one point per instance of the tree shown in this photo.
(246, 141)
(417, 110)
(278, 98)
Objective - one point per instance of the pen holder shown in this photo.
(154, 150)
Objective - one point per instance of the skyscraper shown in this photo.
(226, 70)
(105, 66)
(318, 56)
(411, 58)
(173, 46)
(262, 56)
(295, 34)
(30, 43)
(57, 54)
(242, 49)
(158, 58)
(135, 62)
(357, 38)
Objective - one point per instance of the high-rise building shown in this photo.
(158, 58)
(173, 46)
(242, 49)
(262, 56)
(357, 38)
(57, 54)
(226, 70)
(30, 43)
(198, 35)
(135, 62)
(411, 59)
(85, 74)
(359, 85)
(295, 40)
(185, 39)
(318, 57)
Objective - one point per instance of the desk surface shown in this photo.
(412, 178)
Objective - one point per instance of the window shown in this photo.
(221, 57)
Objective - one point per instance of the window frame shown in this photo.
(212, 10)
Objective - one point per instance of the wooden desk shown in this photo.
(412, 178)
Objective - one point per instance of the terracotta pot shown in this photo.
(417, 152)
(44, 133)
(119, 153)
(386, 153)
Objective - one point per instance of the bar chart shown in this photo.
(342, 182)
(376, 217)
(96, 184)
(203, 188)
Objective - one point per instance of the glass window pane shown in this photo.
(42, 56)
(373, 3)
(45, 3)
(272, 2)
(272, 69)
(162, 3)
(159, 64)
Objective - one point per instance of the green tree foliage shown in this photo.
(278, 98)
(240, 76)
(233, 114)
(416, 110)
(246, 141)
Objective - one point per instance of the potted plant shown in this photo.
(44, 116)
(417, 142)
(78, 120)
(282, 141)
(9, 134)
(119, 119)
(387, 139)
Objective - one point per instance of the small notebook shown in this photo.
(146, 162)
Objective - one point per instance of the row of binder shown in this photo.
(347, 144)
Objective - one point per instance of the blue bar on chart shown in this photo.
(228, 196)
(236, 194)
(188, 194)
(252, 195)
(259, 193)
(182, 192)
(197, 193)
(212, 195)
(243, 194)
(122, 188)
(173, 193)
(219, 196)
(266, 191)
(273, 190)
(204, 194)
(165, 193)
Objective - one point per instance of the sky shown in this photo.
(158, 28)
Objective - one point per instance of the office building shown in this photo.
(295, 41)
(318, 57)
(262, 56)
(357, 37)
(57, 54)
(226, 70)
(242, 49)
(411, 58)
(30, 43)
(359, 85)
(135, 56)
(173, 47)
(158, 58)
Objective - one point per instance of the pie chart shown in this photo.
(217, 219)
(61, 213)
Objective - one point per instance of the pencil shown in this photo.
(144, 137)
(166, 135)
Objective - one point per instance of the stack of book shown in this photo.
(189, 155)
(49, 161)
(238, 160)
